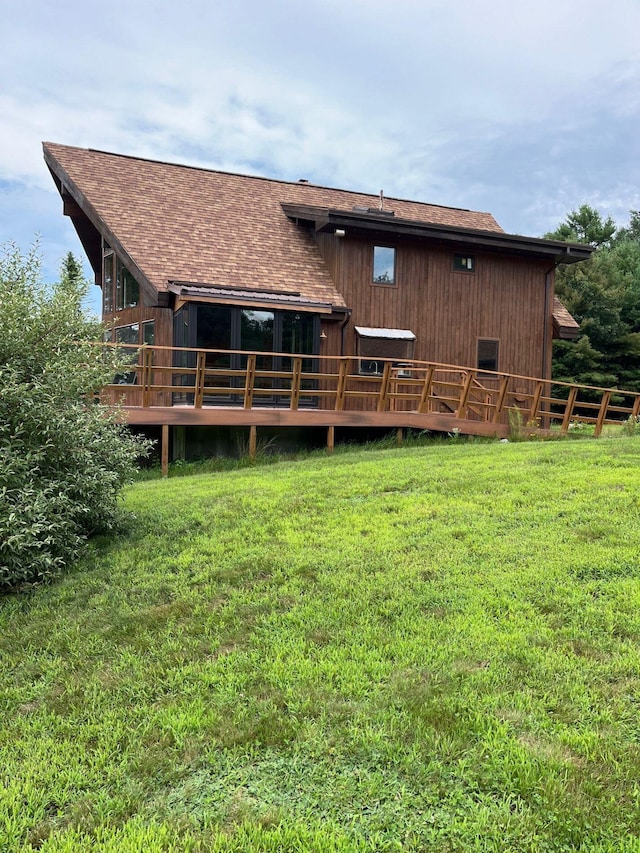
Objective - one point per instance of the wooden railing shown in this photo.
(415, 393)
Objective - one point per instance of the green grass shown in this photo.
(430, 648)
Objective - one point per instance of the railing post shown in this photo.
(535, 403)
(423, 405)
(502, 396)
(147, 366)
(462, 405)
(295, 383)
(602, 413)
(573, 393)
(199, 390)
(384, 387)
(635, 412)
(249, 380)
(342, 384)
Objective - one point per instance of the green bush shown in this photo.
(63, 456)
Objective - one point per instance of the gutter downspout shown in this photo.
(343, 328)
(548, 311)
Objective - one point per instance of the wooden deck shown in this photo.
(188, 387)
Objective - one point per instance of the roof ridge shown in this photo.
(298, 183)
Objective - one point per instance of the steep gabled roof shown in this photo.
(216, 229)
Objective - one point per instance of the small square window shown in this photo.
(487, 354)
(464, 263)
(384, 265)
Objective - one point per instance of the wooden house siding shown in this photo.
(449, 311)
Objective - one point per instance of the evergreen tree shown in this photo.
(603, 294)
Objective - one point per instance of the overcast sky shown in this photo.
(526, 110)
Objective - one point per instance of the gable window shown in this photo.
(120, 290)
(375, 346)
(384, 265)
(464, 263)
(487, 354)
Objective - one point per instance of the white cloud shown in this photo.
(524, 111)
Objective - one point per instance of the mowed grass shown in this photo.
(431, 648)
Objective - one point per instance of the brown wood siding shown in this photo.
(448, 311)
(163, 318)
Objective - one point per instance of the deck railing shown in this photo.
(464, 397)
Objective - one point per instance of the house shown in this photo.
(193, 257)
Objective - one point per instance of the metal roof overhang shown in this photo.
(385, 227)
(387, 334)
(210, 294)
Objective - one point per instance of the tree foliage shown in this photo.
(603, 294)
(63, 457)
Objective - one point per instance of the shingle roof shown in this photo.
(190, 224)
(565, 326)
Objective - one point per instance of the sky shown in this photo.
(525, 110)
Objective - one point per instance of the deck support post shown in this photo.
(253, 441)
(164, 450)
(331, 437)
(399, 435)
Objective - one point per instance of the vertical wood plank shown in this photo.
(573, 393)
(602, 413)
(502, 396)
(253, 441)
(249, 380)
(342, 384)
(461, 411)
(423, 406)
(164, 450)
(535, 403)
(200, 368)
(331, 437)
(147, 375)
(295, 383)
(383, 396)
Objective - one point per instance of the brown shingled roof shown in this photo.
(565, 326)
(190, 224)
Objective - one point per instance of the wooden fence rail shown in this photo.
(182, 385)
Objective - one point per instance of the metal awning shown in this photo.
(193, 292)
(388, 334)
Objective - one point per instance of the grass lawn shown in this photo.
(421, 649)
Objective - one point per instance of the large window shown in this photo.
(120, 290)
(375, 346)
(135, 334)
(384, 265)
(223, 327)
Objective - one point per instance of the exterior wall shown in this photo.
(503, 299)
(163, 318)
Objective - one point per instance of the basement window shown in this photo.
(384, 265)
(377, 346)
(464, 263)
(487, 354)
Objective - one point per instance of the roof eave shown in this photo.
(381, 226)
(68, 189)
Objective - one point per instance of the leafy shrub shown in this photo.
(63, 456)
